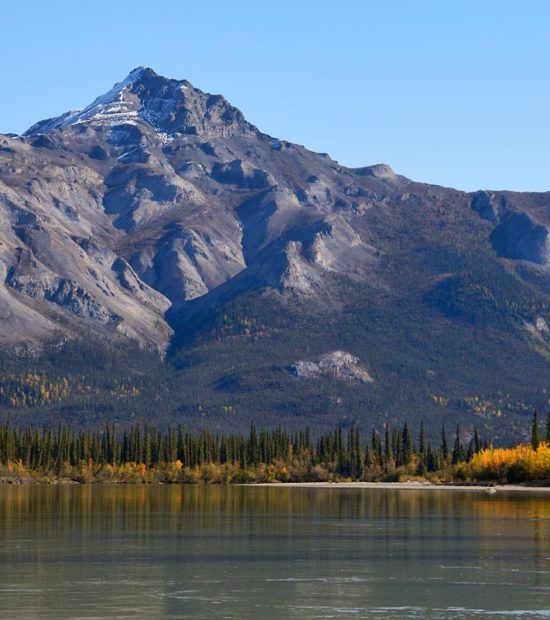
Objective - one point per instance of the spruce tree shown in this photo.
(470, 452)
(387, 447)
(535, 438)
(406, 445)
(253, 447)
(356, 460)
(422, 439)
(458, 451)
(430, 459)
(444, 447)
(477, 442)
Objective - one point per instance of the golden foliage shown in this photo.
(513, 464)
(31, 389)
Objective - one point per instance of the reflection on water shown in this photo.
(248, 552)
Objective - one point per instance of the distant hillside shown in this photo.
(278, 285)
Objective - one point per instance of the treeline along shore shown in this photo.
(144, 454)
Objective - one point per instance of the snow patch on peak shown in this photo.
(170, 107)
(110, 108)
(120, 105)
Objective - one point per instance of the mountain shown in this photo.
(276, 284)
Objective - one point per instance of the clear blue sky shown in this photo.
(453, 92)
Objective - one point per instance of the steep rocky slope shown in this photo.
(159, 214)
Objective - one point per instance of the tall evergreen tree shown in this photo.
(356, 460)
(253, 446)
(387, 447)
(406, 445)
(535, 438)
(431, 463)
(422, 439)
(458, 450)
(470, 452)
(477, 442)
(444, 445)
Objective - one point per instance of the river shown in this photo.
(233, 552)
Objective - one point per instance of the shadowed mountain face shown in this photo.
(159, 214)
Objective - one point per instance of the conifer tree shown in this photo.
(431, 464)
(387, 447)
(253, 447)
(406, 445)
(356, 461)
(477, 442)
(535, 438)
(444, 447)
(422, 439)
(458, 451)
(470, 452)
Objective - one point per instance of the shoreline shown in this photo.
(412, 486)
(489, 489)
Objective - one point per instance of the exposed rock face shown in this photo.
(516, 234)
(335, 365)
(157, 194)
(241, 174)
(487, 205)
(519, 236)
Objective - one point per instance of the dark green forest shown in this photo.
(147, 454)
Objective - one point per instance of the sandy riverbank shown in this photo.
(416, 486)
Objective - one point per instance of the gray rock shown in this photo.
(157, 194)
(336, 365)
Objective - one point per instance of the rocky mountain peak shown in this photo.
(140, 73)
(171, 107)
(379, 171)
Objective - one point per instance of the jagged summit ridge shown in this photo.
(170, 106)
(111, 106)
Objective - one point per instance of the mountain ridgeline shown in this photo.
(162, 259)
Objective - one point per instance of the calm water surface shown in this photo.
(255, 552)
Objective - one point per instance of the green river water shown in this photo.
(218, 552)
